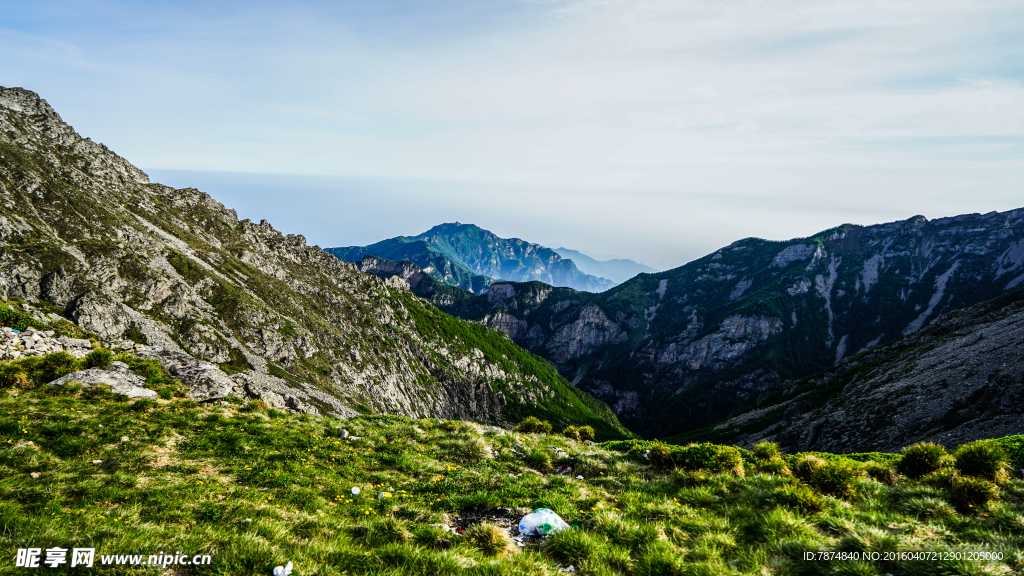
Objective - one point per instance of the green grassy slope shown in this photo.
(255, 488)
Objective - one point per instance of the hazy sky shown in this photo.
(655, 130)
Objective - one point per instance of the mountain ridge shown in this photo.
(87, 237)
(679, 349)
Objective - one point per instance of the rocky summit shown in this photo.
(679, 350)
(89, 245)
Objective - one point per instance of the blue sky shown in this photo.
(655, 130)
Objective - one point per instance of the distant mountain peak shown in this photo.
(471, 252)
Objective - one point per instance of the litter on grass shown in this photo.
(283, 570)
(541, 522)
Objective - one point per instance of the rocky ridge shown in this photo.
(86, 238)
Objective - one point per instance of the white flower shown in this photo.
(283, 570)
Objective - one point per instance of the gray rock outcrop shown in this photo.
(119, 378)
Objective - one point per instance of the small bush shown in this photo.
(923, 458)
(836, 479)
(799, 497)
(571, 547)
(805, 466)
(12, 375)
(659, 454)
(710, 457)
(55, 365)
(539, 459)
(882, 473)
(572, 432)
(490, 539)
(766, 451)
(982, 459)
(972, 494)
(586, 433)
(473, 450)
(165, 393)
(387, 531)
(534, 425)
(775, 466)
(99, 358)
(433, 537)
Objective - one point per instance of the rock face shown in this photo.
(958, 380)
(174, 275)
(682, 349)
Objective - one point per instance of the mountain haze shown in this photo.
(85, 237)
(617, 270)
(469, 250)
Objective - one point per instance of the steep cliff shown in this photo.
(85, 236)
(960, 379)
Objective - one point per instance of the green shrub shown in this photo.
(982, 459)
(490, 539)
(805, 466)
(12, 375)
(572, 432)
(434, 537)
(883, 473)
(387, 531)
(972, 494)
(165, 393)
(99, 358)
(766, 451)
(539, 459)
(776, 466)
(473, 450)
(571, 547)
(586, 433)
(18, 320)
(710, 457)
(534, 425)
(836, 479)
(659, 454)
(799, 497)
(922, 458)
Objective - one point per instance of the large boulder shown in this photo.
(119, 378)
(205, 381)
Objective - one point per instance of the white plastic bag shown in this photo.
(541, 522)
